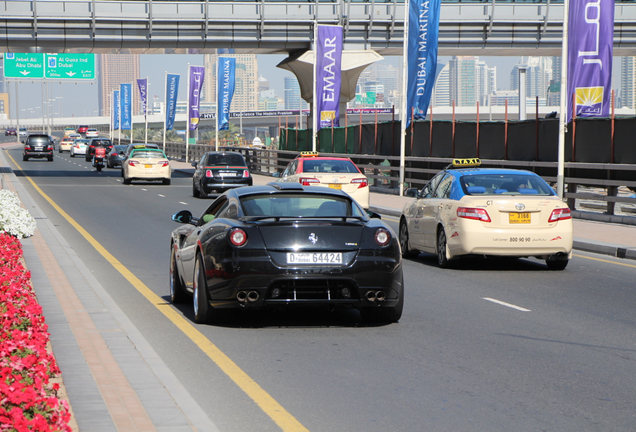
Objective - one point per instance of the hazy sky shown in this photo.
(80, 99)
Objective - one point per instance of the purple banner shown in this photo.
(328, 59)
(143, 93)
(590, 44)
(194, 92)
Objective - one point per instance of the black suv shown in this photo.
(38, 146)
(102, 142)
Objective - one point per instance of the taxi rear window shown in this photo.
(505, 184)
(148, 154)
(329, 166)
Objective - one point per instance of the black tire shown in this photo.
(557, 265)
(200, 299)
(195, 191)
(404, 241)
(386, 314)
(50, 158)
(99, 167)
(177, 292)
(25, 158)
(126, 181)
(442, 259)
(72, 154)
(108, 165)
(166, 182)
(60, 150)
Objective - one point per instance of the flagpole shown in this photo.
(313, 99)
(188, 116)
(165, 109)
(404, 98)
(563, 118)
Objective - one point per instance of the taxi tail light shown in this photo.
(382, 236)
(361, 182)
(163, 163)
(238, 237)
(246, 174)
(473, 213)
(305, 181)
(560, 214)
(133, 162)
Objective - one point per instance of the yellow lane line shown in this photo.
(267, 403)
(605, 261)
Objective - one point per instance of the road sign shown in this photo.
(70, 66)
(50, 66)
(30, 65)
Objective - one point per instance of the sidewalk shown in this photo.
(615, 239)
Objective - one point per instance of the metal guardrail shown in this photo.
(383, 171)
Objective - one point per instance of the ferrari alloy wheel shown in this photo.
(442, 256)
(202, 308)
(404, 241)
(177, 295)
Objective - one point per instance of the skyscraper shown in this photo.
(441, 91)
(113, 70)
(464, 86)
(538, 76)
(246, 81)
(293, 100)
(628, 83)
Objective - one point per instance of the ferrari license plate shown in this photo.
(314, 258)
(519, 218)
(148, 166)
(335, 185)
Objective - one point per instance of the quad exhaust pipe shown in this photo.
(247, 296)
(374, 296)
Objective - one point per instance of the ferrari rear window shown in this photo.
(329, 166)
(505, 184)
(298, 205)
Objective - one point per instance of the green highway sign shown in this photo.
(50, 66)
(70, 66)
(24, 65)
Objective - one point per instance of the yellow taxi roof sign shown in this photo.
(464, 163)
(309, 154)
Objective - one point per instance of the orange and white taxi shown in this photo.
(146, 164)
(465, 210)
(65, 144)
(311, 169)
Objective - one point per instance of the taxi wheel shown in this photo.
(557, 265)
(442, 257)
(60, 150)
(166, 182)
(126, 181)
(177, 294)
(404, 241)
(200, 300)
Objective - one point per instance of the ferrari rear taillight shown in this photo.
(133, 162)
(382, 236)
(560, 214)
(238, 237)
(361, 182)
(246, 174)
(305, 181)
(473, 213)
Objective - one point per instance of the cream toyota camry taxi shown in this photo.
(311, 169)
(464, 210)
(146, 164)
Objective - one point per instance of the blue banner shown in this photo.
(126, 106)
(225, 91)
(422, 56)
(116, 110)
(197, 73)
(590, 50)
(172, 92)
(328, 71)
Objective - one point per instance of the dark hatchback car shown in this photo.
(219, 171)
(103, 142)
(115, 156)
(286, 245)
(10, 131)
(38, 146)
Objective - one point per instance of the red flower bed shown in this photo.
(28, 401)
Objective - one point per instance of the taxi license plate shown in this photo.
(335, 185)
(314, 258)
(148, 166)
(519, 218)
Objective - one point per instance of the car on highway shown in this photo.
(92, 133)
(82, 129)
(147, 165)
(23, 133)
(65, 144)
(467, 210)
(10, 131)
(79, 147)
(115, 156)
(38, 146)
(311, 169)
(218, 172)
(68, 130)
(285, 245)
(94, 142)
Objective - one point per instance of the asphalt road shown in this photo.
(490, 346)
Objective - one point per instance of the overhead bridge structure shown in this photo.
(490, 27)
